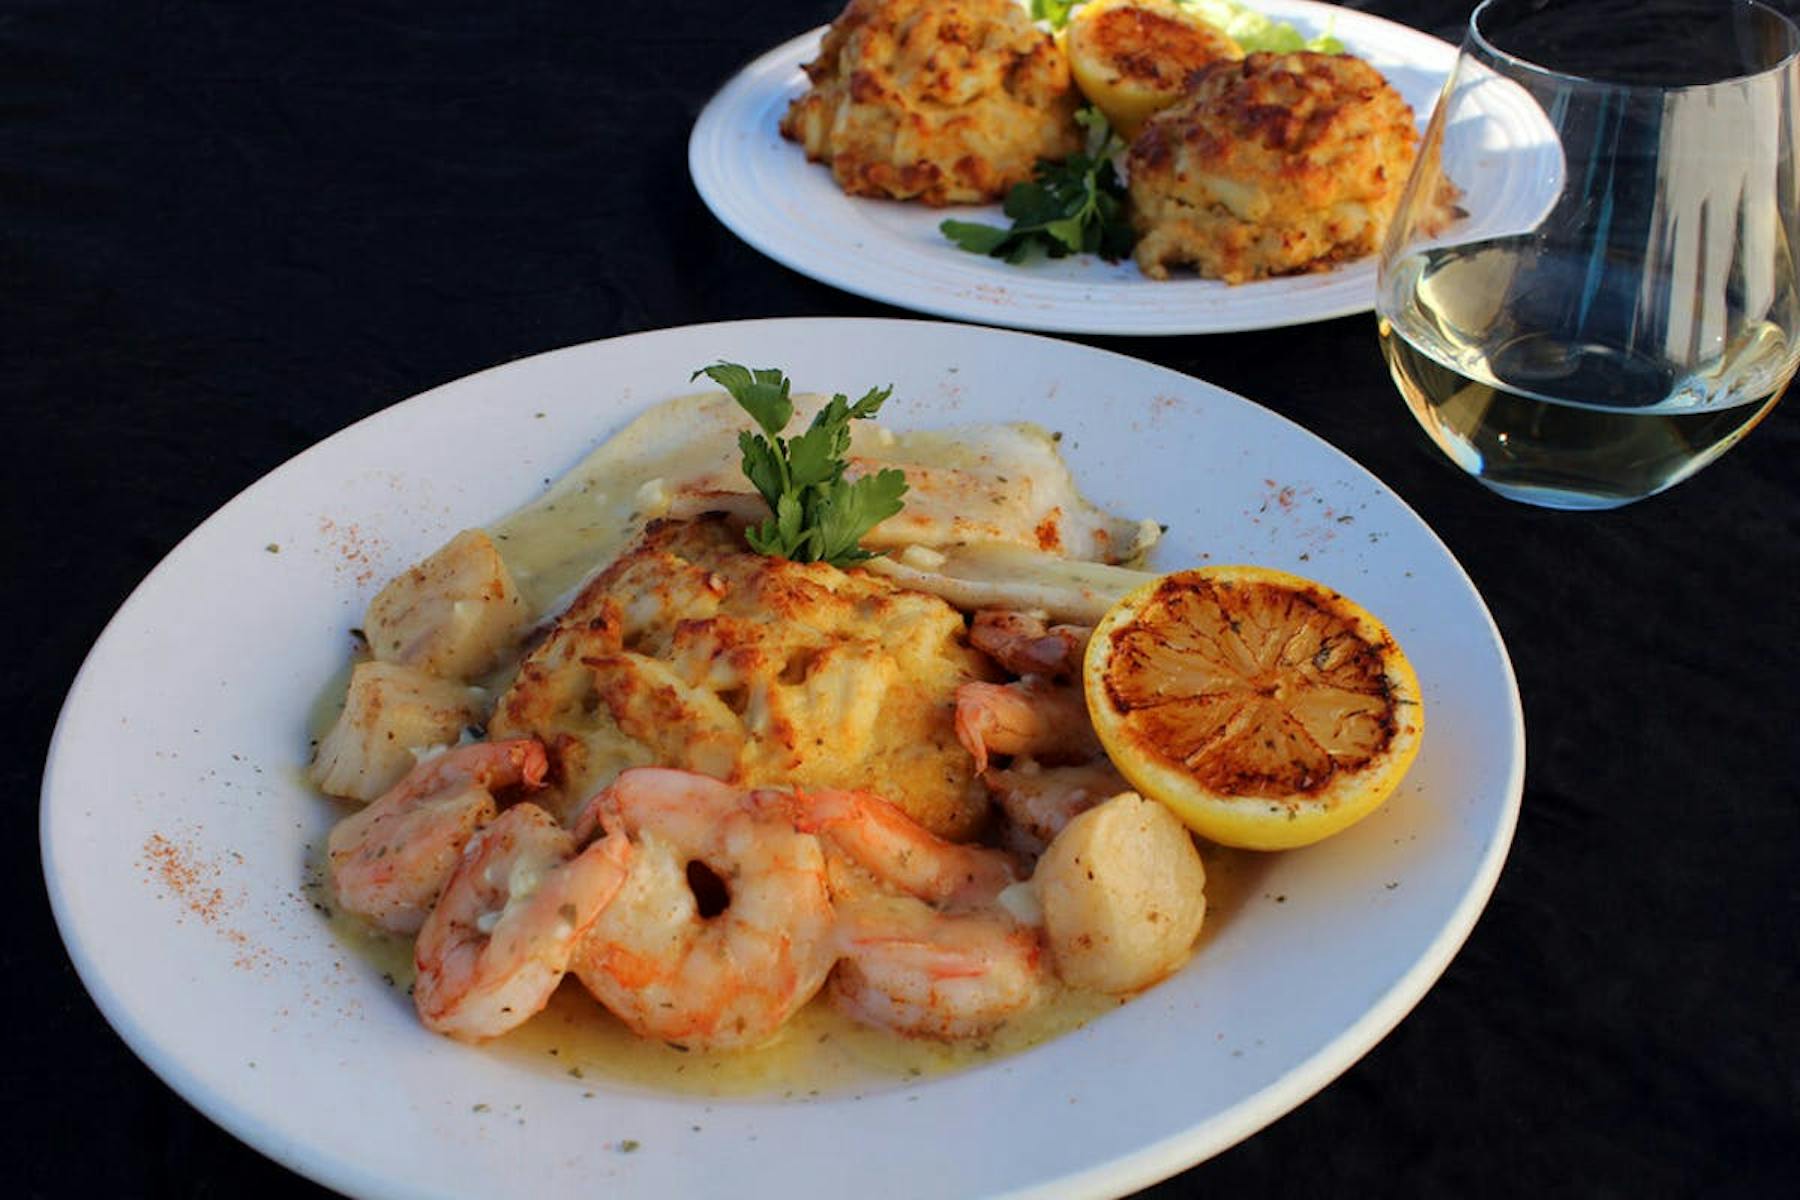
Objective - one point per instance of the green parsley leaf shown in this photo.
(1069, 231)
(815, 514)
(763, 394)
(975, 237)
(1076, 206)
(847, 512)
(762, 466)
(871, 403)
(1056, 12)
(780, 535)
(817, 456)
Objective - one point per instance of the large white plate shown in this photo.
(175, 823)
(763, 189)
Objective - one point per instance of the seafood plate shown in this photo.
(182, 845)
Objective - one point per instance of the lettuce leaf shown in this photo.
(1254, 31)
(1247, 27)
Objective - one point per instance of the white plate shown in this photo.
(175, 822)
(763, 189)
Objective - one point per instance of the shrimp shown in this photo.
(723, 927)
(389, 862)
(895, 849)
(499, 940)
(915, 970)
(1022, 644)
(1032, 716)
(1038, 800)
(925, 947)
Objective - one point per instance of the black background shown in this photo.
(228, 230)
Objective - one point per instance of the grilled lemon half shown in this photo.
(1264, 709)
(1131, 58)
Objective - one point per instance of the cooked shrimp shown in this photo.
(918, 971)
(894, 848)
(1032, 716)
(1038, 800)
(1022, 643)
(389, 862)
(671, 969)
(925, 948)
(499, 940)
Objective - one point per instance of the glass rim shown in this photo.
(1517, 62)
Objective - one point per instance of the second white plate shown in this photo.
(763, 189)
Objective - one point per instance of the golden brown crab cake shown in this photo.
(691, 651)
(1275, 165)
(943, 101)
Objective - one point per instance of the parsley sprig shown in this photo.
(1076, 206)
(816, 514)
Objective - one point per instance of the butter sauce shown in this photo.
(820, 1052)
(602, 503)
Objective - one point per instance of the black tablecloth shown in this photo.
(228, 230)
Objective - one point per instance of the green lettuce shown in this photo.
(1247, 27)
(1254, 31)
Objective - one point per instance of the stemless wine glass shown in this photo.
(1589, 289)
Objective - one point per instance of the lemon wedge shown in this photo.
(1264, 709)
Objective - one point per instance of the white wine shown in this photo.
(1557, 421)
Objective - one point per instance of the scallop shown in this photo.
(1123, 893)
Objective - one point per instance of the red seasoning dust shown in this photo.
(358, 553)
(193, 882)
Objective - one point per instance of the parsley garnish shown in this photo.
(817, 515)
(1076, 206)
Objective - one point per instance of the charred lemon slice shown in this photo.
(1133, 57)
(1266, 710)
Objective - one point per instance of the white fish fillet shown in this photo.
(971, 488)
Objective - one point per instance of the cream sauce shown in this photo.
(819, 1052)
(595, 510)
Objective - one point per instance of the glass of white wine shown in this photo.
(1589, 289)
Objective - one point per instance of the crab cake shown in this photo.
(943, 101)
(1276, 165)
(690, 651)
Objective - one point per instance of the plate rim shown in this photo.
(708, 130)
(1138, 1168)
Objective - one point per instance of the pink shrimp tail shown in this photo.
(529, 762)
(975, 719)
